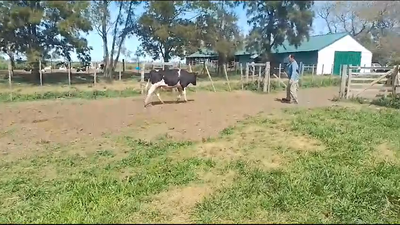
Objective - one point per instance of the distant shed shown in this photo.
(244, 57)
(201, 56)
(326, 51)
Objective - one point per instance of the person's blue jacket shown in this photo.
(293, 71)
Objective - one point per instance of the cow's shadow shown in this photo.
(170, 102)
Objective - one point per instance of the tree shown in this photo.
(163, 30)
(120, 28)
(372, 23)
(325, 12)
(273, 22)
(35, 28)
(8, 37)
(218, 31)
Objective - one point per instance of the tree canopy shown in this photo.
(36, 28)
(119, 28)
(166, 29)
(219, 31)
(375, 24)
(273, 22)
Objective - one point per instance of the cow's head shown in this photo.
(193, 78)
(189, 77)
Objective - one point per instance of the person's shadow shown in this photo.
(281, 100)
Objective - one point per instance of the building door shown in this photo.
(345, 58)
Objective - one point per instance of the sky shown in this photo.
(132, 43)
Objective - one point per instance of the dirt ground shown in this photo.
(26, 126)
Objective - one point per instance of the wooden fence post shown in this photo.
(9, 79)
(51, 64)
(343, 78)
(40, 72)
(267, 77)
(394, 81)
(120, 73)
(69, 74)
(259, 78)
(227, 79)
(312, 68)
(247, 72)
(253, 72)
(349, 75)
(123, 65)
(209, 76)
(95, 75)
(279, 74)
(241, 75)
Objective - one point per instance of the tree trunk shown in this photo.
(36, 73)
(12, 62)
(166, 58)
(106, 55)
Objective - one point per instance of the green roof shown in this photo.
(244, 52)
(203, 53)
(315, 43)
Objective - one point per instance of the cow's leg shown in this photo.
(184, 94)
(152, 89)
(158, 95)
(147, 84)
(180, 94)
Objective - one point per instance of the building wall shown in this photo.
(326, 56)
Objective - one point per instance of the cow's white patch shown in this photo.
(179, 72)
(152, 89)
(184, 94)
(147, 84)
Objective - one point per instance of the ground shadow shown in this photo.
(170, 102)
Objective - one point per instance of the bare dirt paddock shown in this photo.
(26, 126)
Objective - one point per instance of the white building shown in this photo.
(327, 52)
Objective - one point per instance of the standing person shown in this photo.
(293, 84)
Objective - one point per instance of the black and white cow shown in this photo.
(174, 78)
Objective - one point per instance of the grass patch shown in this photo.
(65, 188)
(345, 183)
(81, 94)
(389, 102)
(304, 82)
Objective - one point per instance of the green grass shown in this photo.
(347, 181)
(87, 190)
(81, 94)
(305, 82)
(343, 184)
(388, 102)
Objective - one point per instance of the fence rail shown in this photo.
(368, 84)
